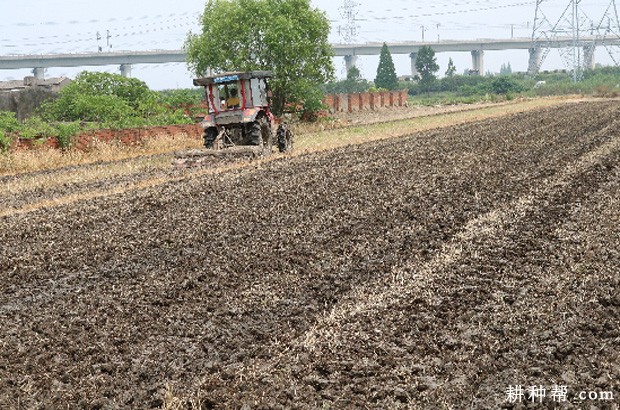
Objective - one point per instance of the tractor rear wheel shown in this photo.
(256, 137)
(260, 133)
(285, 138)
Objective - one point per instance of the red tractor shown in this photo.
(239, 112)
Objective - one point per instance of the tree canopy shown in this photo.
(426, 64)
(287, 37)
(386, 72)
(451, 68)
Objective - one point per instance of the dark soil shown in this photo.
(433, 271)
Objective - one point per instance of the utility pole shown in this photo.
(108, 37)
(423, 28)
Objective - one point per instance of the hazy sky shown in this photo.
(63, 26)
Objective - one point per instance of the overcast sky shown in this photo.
(63, 26)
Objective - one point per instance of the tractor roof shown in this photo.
(230, 77)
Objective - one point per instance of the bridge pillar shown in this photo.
(477, 60)
(414, 69)
(126, 70)
(350, 62)
(588, 56)
(39, 73)
(534, 62)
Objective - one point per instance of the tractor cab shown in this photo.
(239, 111)
(236, 91)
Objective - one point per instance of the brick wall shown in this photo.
(365, 101)
(127, 136)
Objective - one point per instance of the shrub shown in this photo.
(5, 141)
(36, 127)
(100, 97)
(66, 131)
(377, 90)
(505, 85)
(8, 122)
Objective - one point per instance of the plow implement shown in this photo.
(206, 157)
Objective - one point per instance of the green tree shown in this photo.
(426, 64)
(505, 69)
(287, 37)
(451, 68)
(354, 74)
(354, 83)
(386, 72)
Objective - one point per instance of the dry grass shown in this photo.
(40, 159)
(72, 176)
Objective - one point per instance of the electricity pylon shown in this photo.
(561, 20)
(348, 31)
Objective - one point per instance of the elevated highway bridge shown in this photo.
(350, 52)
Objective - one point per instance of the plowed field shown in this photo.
(439, 270)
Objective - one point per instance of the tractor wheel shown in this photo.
(209, 136)
(256, 136)
(266, 134)
(260, 133)
(285, 138)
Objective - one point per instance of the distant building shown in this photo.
(23, 96)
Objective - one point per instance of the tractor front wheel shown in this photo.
(209, 136)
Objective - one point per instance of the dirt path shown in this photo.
(430, 271)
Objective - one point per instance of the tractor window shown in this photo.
(229, 96)
(259, 92)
